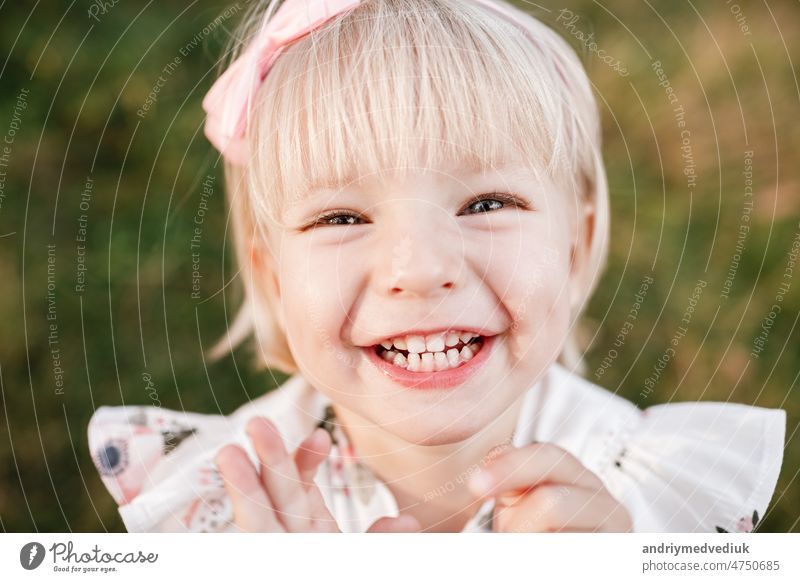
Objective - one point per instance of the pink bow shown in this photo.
(227, 103)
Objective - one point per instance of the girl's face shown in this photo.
(401, 257)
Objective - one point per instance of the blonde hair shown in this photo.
(381, 76)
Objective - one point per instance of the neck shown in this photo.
(429, 482)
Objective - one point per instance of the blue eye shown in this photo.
(484, 205)
(493, 201)
(337, 218)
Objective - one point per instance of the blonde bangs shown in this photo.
(410, 84)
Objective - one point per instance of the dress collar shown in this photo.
(358, 497)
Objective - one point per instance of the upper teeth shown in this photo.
(417, 344)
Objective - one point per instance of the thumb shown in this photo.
(403, 523)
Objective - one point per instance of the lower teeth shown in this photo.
(432, 362)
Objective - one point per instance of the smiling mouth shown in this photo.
(451, 358)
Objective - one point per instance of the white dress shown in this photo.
(680, 467)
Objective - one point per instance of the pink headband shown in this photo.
(228, 102)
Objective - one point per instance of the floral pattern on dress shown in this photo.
(126, 448)
(746, 524)
(348, 469)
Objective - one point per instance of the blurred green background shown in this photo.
(83, 72)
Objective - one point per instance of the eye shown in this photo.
(481, 204)
(493, 201)
(337, 218)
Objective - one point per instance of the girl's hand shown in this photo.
(543, 488)
(280, 495)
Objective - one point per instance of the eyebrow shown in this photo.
(509, 171)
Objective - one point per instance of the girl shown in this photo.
(421, 214)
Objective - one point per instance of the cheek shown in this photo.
(539, 303)
(315, 300)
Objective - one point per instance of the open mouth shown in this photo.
(421, 358)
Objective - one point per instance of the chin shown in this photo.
(437, 433)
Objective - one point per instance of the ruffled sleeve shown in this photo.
(695, 466)
(157, 465)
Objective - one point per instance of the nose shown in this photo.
(422, 260)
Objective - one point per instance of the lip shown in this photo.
(432, 380)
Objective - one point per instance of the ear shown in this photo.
(581, 248)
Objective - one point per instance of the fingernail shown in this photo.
(258, 429)
(408, 521)
(252, 423)
(480, 483)
(218, 456)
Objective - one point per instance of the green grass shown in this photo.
(136, 315)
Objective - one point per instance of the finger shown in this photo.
(519, 469)
(308, 457)
(252, 509)
(279, 475)
(311, 453)
(403, 523)
(559, 508)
